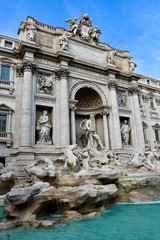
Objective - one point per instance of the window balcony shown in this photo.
(6, 137)
(9, 85)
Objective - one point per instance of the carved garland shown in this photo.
(88, 84)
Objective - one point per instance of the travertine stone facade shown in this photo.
(70, 75)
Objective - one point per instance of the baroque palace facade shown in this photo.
(52, 79)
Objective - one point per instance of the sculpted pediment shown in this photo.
(156, 125)
(84, 29)
(4, 107)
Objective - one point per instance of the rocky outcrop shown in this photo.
(139, 188)
(41, 170)
(7, 181)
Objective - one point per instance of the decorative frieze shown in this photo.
(122, 98)
(44, 84)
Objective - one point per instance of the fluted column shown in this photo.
(73, 126)
(62, 74)
(105, 128)
(138, 131)
(11, 79)
(26, 103)
(58, 127)
(116, 134)
(148, 120)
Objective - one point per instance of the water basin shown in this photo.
(121, 222)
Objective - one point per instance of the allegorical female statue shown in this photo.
(44, 127)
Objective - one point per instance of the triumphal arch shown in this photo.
(60, 87)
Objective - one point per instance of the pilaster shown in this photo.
(148, 120)
(136, 114)
(105, 114)
(112, 85)
(62, 75)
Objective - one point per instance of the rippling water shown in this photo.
(122, 222)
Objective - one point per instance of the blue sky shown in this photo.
(125, 24)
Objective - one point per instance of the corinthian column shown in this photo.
(148, 120)
(116, 132)
(62, 74)
(138, 129)
(26, 103)
(105, 128)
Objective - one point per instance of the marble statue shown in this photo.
(44, 85)
(44, 127)
(84, 29)
(148, 159)
(125, 130)
(93, 140)
(74, 26)
(63, 41)
(31, 32)
(110, 57)
(95, 34)
(132, 65)
(72, 158)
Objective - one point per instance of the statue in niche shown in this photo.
(93, 140)
(132, 65)
(31, 32)
(122, 99)
(125, 130)
(111, 56)
(44, 86)
(63, 41)
(44, 127)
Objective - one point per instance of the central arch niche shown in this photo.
(88, 98)
(89, 102)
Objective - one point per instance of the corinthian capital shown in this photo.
(62, 72)
(29, 65)
(112, 84)
(133, 90)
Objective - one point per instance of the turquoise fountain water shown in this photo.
(122, 222)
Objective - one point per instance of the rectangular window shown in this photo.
(139, 100)
(8, 44)
(157, 135)
(5, 73)
(2, 160)
(151, 102)
(3, 120)
(145, 134)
